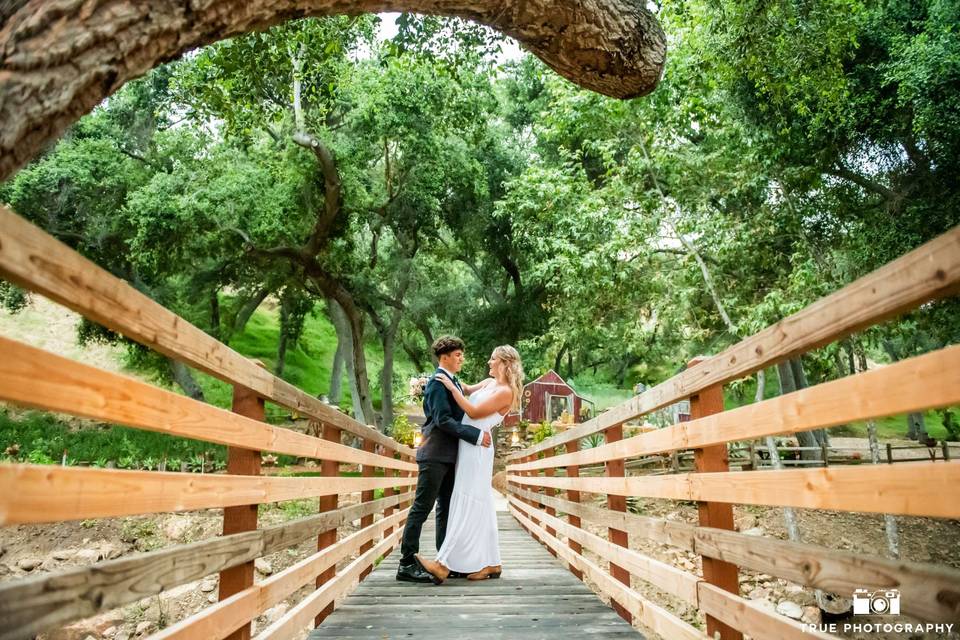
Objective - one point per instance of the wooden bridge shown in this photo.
(538, 595)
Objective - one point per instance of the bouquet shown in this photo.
(418, 384)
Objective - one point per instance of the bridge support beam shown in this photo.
(574, 496)
(718, 515)
(329, 468)
(241, 462)
(617, 469)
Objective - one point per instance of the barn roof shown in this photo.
(552, 377)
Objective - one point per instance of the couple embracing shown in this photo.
(455, 460)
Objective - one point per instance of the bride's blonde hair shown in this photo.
(513, 371)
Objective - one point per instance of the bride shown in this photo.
(471, 545)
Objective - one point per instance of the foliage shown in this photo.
(403, 430)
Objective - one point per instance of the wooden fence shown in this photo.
(537, 475)
(31, 494)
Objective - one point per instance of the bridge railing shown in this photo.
(33, 494)
(538, 474)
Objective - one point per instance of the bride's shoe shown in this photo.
(434, 568)
(487, 573)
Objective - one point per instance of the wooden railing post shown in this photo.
(718, 515)
(244, 462)
(387, 493)
(574, 496)
(616, 469)
(550, 472)
(368, 471)
(330, 468)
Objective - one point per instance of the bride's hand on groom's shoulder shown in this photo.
(447, 382)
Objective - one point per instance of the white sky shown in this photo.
(510, 50)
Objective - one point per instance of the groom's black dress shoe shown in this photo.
(413, 573)
(454, 575)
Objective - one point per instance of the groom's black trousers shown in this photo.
(434, 485)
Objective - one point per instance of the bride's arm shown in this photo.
(496, 402)
(470, 388)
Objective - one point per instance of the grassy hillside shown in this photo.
(42, 437)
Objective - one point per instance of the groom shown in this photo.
(436, 457)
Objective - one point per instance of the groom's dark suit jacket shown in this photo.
(442, 428)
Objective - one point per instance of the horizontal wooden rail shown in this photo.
(652, 615)
(36, 378)
(36, 604)
(931, 271)
(929, 381)
(928, 592)
(749, 618)
(913, 488)
(36, 261)
(677, 534)
(721, 604)
(34, 493)
(666, 577)
(221, 619)
(303, 614)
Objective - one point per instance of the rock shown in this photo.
(212, 598)
(759, 593)
(755, 531)
(29, 564)
(143, 627)
(264, 567)
(63, 554)
(87, 556)
(801, 596)
(766, 604)
(208, 585)
(109, 550)
(811, 615)
(790, 609)
(275, 613)
(123, 635)
(109, 633)
(176, 527)
(748, 522)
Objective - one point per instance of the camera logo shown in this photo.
(886, 603)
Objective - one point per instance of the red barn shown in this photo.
(546, 398)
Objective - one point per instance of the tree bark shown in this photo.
(336, 373)
(184, 379)
(788, 384)
(60, 58)
(359, 390)
(890, 523)
(246, 311)
(282, 342)
(215, 313)
(789, 517)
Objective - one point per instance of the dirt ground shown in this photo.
(29, 550)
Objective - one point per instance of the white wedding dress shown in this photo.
(472, 542)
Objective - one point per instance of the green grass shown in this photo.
(740, 393)
(308, 365)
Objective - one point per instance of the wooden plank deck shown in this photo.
(536, 598)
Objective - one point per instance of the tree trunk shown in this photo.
(788, 384)
(916, 427)
(336, 373)
(246, 311)
(282, 342)
(184, 379)
(58, 60)
(215, 314)
(569, 364)
(413, 355)
(386, 382)
(558, 361)
(800, 381)
(349, 323)
(890, 523)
